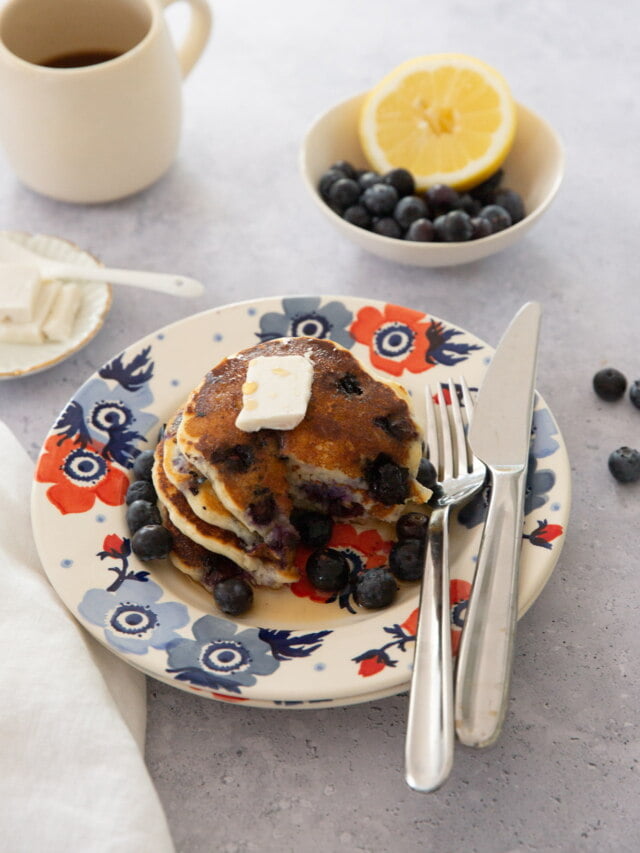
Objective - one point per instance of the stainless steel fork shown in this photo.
(430, 729)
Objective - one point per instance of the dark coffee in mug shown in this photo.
(80, 59)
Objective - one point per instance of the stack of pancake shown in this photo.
(227, 495)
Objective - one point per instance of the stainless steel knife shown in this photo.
(499, 435)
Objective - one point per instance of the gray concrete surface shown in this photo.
(233, 212)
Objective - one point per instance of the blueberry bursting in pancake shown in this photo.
(354, 455)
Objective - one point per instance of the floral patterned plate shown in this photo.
(297, 647)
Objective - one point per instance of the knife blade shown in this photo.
(499, 435)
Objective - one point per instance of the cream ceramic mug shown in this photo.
(104, 121)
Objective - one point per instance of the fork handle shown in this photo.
(430, 732)
(485, 655)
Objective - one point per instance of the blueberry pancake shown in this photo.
(355, 454)
(197, 536)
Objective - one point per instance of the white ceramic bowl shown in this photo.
(534, 168)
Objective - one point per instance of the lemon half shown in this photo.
(447, 118)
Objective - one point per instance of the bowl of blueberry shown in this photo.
(388, 214)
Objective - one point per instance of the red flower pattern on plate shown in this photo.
(396, 337)
(80, 475)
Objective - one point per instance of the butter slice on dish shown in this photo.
(275, 393)
(59, 323)
(19, 291)
(32, 332)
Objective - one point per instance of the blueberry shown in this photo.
(421, 231)
(609, 384)
(388, 481)
(345, 167)
(140, 513)
(328, 569)
(401, 180)
(349, 384)
(386, 226)
(624, 464)
(143, 465)
(634, 393)
(358, 215)
(233, 596)
(263, 509)
(151, 542)
(406, 559)
(453, 227)
(343, 193)
(497, 216)
(486, 191)
(427, 475)
(314, 528)
(141, 490)
(470, 205)
(327, 180)
(237, 459)
(481, 227)
(512, 202)
(412, 525)
(408, 209)
(380, 199)
(375, 588)
(442, 198)
(368, 179)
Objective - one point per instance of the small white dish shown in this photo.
(534, 168)
(17, 360)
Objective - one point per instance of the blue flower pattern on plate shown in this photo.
(302, 316)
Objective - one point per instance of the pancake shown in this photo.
(197, 490)
(258, 560)
(355, 454)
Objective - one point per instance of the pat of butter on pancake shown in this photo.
(276, 392)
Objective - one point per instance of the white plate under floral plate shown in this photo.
(18, 360)
(293, 649)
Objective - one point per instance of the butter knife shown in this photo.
(499, 435)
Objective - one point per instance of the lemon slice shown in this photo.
(447, 118)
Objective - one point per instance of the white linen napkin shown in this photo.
(72, 716)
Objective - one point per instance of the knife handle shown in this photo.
(485, 655)
(430, 734)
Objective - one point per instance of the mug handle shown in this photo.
(197, 35)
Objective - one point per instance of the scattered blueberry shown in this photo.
(327, 180)
(427, 475)
(151, 542)
(497, 216)
(141, 490)
(609, 384)
(406, 559)
(143, 465)
(380, 199)
(412, 525)
(233, 596)
(349, 384)
(624, 464)
(375, 588)
(401, 180)
(634, 393)
(314, 528)
(388, 481)
(481, 227)
(470, 205)
(368, 179)
(346, 168)
(328, 569)
(442, 198)
(140, 513)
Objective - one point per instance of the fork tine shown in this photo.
(475, 463)
(432, 432)
(459, 434)
(447, 448)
